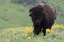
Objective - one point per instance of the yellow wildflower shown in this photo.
(31, 29)
(57, 26)
(52, 27)
(28, 37)
(52, 30)
(54, 23)
(62, 26)
(13, 30)
(28, 29)
(26, 34)
(47, 30)
(7, 40)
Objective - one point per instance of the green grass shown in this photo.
(19, 36)
(14, 15)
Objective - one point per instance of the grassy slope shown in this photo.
(13, 15)
(57, 36)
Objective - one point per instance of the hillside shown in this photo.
(17, 15)
(13, 15)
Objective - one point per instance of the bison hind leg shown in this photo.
(44, 31)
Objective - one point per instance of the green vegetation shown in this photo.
(14, 17)
(25, 34)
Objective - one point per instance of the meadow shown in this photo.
(14, 15)
(25, 34)
(16, 25)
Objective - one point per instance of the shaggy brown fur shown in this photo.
(43, 16)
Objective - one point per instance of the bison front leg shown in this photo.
(44, 31)
(37, 30)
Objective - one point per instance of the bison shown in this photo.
(43, 16)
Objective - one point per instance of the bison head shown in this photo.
(36, 13)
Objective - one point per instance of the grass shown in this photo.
(25, 34)
(14, 15)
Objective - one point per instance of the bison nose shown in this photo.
(38, 21)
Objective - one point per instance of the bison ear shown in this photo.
(30, 13)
